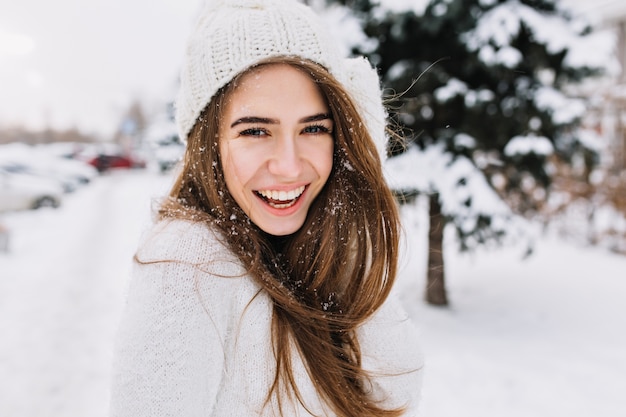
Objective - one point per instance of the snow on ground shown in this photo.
(61, 293)
(542, 337)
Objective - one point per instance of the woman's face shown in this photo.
(276, 146)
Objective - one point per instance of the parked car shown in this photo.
(67, 184)
(25, 192)
(24, 159)
(165, 144)
(4, 238)
(168, 155)
(104, 162)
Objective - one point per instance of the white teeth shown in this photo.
(283, 196)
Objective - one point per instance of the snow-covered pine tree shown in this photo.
(481, 95)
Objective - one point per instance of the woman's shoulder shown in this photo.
(177, 258)
(186, 241)
(177, 228)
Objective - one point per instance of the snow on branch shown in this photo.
(529, 144)
(498, 27)
(467, 200)
(564, 110)
(462, 187)
(402, 6)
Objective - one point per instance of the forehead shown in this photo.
(268, 68)
(277, 74)
(272, 87)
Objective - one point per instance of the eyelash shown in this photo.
(253, 131)
(321, 129)
(258, 131)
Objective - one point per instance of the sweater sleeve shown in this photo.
(169, 358)
(391, 353)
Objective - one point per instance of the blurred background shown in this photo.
(509, 170)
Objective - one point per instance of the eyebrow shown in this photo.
(269, 121)
(316, 118)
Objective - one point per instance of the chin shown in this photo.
(282, 229)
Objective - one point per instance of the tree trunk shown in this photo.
(435, 284)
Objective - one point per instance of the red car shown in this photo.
(104, 162)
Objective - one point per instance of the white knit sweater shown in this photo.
(195, 338)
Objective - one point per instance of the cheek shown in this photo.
(238, 166)
(324, 160)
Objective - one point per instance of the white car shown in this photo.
(21, 158)
(24, 192)
(166, 146)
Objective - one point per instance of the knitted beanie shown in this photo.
(231, 36)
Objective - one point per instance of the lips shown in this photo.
(281, 199)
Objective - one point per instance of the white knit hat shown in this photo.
(230, 36)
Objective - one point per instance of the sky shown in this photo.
(73, 63)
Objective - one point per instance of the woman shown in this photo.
(262, 289)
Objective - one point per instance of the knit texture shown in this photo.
(232, 36)
(195, 338)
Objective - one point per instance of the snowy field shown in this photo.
(543, 337)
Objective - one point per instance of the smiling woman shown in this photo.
(276, 165)
(264, 287)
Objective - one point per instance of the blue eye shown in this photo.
(254, 131)
(316, 129)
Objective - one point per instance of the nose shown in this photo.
(286, 160)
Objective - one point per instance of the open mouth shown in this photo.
(281, 199)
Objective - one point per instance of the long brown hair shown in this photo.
(328, 277)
